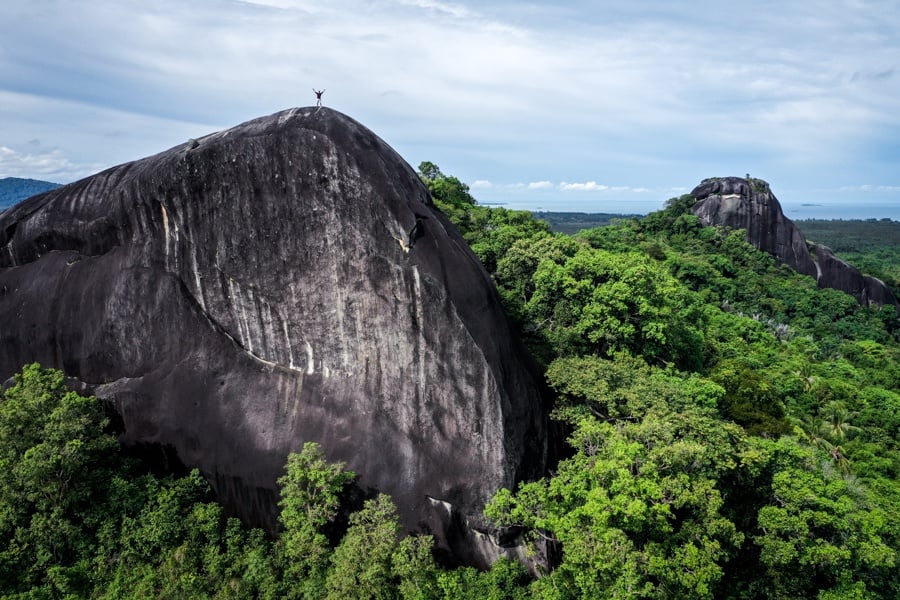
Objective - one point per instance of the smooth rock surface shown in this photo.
(254, 289)
(749, 204)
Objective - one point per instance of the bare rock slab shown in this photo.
(245, 292)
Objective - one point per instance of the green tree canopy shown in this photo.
(55, 458)
(445, 189)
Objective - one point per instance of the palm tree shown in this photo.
(806, 377)
(837, 421)
(840, 460)
(810, 430)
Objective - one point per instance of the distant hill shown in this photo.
(14, 189)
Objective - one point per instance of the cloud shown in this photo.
(538, 93)
(870, 188)
(873, 74)
(540, 185)
(50, 165)
(454, 10)
(588, 186)
(483, 184)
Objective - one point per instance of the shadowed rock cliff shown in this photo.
(749, 204)
(253, 289)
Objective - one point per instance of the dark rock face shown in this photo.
(749, 204)
(254, 289)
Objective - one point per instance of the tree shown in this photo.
(493, 232)
(810, 431)
(506, 580)
(662, 221)
(817, 536)
(311, 491)
(413, 566)
(625, 387)
(56, 462)
(445, 188)
(361, 564)
(150, 556)
(515, 280)
(751, 398)
(636, 510)
(429, 171)
(837, 421)
(601, 302)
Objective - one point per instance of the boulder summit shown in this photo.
(284, 281)
(749, 204)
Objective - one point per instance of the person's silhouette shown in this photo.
(318, 96)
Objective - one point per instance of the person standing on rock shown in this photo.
(318, 94)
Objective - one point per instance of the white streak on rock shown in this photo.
(12, 253)
(420, 325)
(268, 331)
(165, 220)
(310, 365)
(197, 279)
(237, 306)
(250, 331)
(287, 343)
(443, 504)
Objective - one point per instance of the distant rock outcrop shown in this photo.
(257, 288)
(749, 204)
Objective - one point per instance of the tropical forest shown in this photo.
(731, 431)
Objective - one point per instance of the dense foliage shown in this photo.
(79, 519)
(732, 429)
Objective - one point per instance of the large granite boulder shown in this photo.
(287, 280)
(749, 204)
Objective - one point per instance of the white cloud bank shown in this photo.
(565, 186)
(46, 164)
(587, 186)
(538, 93)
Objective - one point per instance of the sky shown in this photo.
(593, 106)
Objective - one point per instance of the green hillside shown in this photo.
(731, 432)
(14, 189)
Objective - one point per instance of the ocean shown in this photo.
(846, 212)
(795, 212)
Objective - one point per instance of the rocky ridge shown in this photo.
(749, 204)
